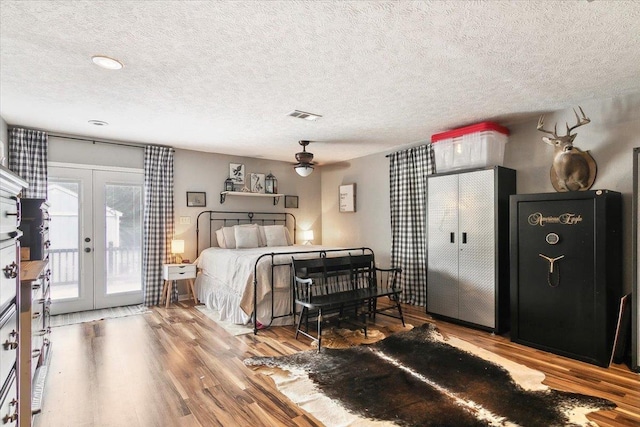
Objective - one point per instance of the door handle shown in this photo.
(452, 237)
(464, 237)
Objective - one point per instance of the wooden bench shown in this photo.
(346, 286)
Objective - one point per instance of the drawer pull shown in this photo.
(9, 418)
(35, 315)
(36, 353)
(11, 345)
(11, 270)
(36, 286)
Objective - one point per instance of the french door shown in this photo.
(96, 238)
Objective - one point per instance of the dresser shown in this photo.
(34, 342)
(10, 366)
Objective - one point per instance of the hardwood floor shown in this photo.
(175, 367)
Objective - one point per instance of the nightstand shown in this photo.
(171, 273)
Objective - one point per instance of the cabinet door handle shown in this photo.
(452, 237)
(464, 238)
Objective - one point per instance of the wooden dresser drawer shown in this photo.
(9, 270)
(8, 341)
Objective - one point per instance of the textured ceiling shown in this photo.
(222, 76)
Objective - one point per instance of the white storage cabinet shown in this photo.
(468, 246)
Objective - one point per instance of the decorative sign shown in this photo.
(348, 198)
(566, 219)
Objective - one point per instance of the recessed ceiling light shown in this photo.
(98, 123)
(106, 62)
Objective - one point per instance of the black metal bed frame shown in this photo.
(227, 218)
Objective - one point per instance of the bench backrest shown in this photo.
(328, 275)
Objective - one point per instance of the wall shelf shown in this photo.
(224, 194)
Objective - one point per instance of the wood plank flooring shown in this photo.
(175, 367)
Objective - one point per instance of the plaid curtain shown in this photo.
(158, 220)
(28, 158)
(408, 172)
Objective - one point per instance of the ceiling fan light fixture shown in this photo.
(304, 167)
(303, 170)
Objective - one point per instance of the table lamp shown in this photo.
(307, 235)
(177, 249)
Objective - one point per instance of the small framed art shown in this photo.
(196, 199)
(257, 183)
(291, 202)
(236, 173)
(347, 198)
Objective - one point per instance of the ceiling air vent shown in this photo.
(303, 115)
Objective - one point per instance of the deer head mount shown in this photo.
(572, 168)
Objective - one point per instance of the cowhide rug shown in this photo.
(417, 378)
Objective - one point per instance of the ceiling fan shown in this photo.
(304, 167)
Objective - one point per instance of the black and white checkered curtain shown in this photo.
(28, 158)
(158, 220)
(408, 172)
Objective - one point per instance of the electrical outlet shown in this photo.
(185, 220)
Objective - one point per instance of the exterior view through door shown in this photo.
(96, 238)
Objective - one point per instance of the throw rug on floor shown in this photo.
(417, 378)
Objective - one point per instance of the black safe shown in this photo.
(566, 272)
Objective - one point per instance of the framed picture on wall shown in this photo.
(257, 183)
(236, 173)
(196, 199)
(291, 202)
(347, 199)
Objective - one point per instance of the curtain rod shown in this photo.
(95, 141)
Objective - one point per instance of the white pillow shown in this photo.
(289, 240)
(275, 235)
(261, 240)
(246, 237)
(220, 239)
(229, 237)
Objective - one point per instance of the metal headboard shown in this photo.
(217, 219)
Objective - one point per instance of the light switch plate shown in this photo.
(185, 220)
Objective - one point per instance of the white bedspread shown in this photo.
(231, 272)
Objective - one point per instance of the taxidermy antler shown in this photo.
(572, 168)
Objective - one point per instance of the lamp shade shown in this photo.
(177, 246)
(304, 170)
(307, 235)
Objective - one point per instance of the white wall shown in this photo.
(611, 136)
(370, 224)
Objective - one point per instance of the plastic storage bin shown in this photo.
(468, 147)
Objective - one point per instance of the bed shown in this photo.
(251, 275)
